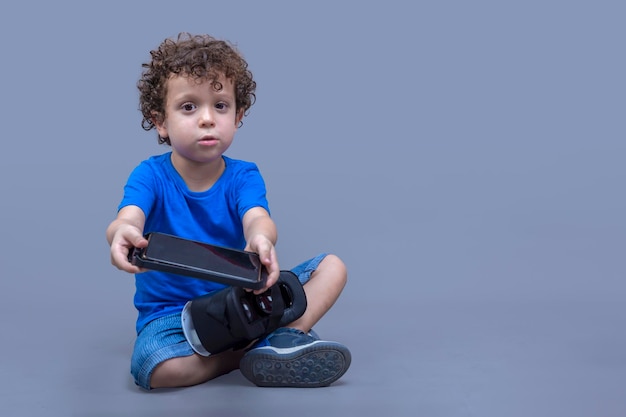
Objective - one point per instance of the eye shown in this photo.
(188, 106)
(221, 106)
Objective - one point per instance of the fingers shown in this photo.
(139, 241)
(124, 240)
(119, 258)
(270, 262)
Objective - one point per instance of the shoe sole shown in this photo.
(318, 364)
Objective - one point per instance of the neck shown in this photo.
(198, 176)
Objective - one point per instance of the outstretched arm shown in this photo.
(124, 233)
(260, 233)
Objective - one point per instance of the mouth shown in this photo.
(207, 140)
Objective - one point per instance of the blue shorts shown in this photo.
(163, 338)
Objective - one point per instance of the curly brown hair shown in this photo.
(199, 56)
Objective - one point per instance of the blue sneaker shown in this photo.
(291, 358)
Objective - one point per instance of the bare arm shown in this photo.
(260, 233)
(124, 233)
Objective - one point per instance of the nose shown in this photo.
(207, 118)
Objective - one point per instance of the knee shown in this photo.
(335, 268)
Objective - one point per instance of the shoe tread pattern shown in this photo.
(317, 365)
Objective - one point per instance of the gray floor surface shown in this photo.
(465, 159)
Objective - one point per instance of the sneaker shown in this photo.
(291, 358)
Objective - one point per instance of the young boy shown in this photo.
(195, 91)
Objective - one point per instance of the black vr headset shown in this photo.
(231, 318)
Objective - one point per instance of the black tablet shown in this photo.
(200, 260)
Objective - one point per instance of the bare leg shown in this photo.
(194, 369)
(322, 290)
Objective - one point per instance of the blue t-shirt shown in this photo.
(212, 216)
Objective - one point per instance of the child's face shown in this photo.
(199, 121)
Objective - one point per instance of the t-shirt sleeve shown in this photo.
(250, 190)
(140, 189)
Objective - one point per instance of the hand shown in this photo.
(267, 253)
(125, 238)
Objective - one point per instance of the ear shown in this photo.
(159, 123)
(239, 117)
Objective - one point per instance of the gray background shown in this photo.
(464, 158)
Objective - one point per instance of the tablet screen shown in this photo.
(202, 257)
